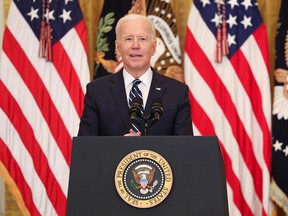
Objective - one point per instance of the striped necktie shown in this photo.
(135, 92)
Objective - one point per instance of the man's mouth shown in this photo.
(135, 55)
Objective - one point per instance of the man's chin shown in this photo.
(137, 68)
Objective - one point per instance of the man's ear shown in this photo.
(116, 45)
(154, 46)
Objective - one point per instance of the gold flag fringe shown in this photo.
(45, 47)
(222, 47)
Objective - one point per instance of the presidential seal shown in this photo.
(143, 179)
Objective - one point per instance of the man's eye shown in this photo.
(127, 39)
(142, 39)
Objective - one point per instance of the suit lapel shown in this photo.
(117, 89)
(118, 92)
(157, 89)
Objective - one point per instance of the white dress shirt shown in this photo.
(144, 86)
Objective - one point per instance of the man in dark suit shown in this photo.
(106, 104)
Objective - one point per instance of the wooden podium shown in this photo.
(199, 185)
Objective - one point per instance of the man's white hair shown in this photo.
(134, 17)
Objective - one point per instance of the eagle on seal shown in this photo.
(143, 176)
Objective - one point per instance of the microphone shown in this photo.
(135, 108)
(157, 109)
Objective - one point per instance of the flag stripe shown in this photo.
(233, 96)
(263, 49)
(43, 100)
(232, 148)
(82, 33)
(25, 132)
(232, 179)
(233, 211)
(20, 154)
(263, 115)
(251, 80)
(41, 129)
(48, 74)
(228, 77)
(38, 90)
(223, 99)
(62, 63)
(79, 62)
(15, 173)
(206, 127)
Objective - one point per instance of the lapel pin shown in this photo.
(159, 89)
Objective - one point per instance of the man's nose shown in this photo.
(135, 42)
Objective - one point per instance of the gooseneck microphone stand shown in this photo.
(147, 122)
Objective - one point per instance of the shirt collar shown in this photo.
(146, 78)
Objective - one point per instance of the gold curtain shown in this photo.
(91, 12)
(92, 8)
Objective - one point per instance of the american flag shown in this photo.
(231, 98)
(41, 101)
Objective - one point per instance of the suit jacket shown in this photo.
(106, 112)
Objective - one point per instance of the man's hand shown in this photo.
(281, 75)
(133, 133)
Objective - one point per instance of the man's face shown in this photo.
(136, 46)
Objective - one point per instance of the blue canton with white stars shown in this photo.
(63, 15)
(242, 18)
